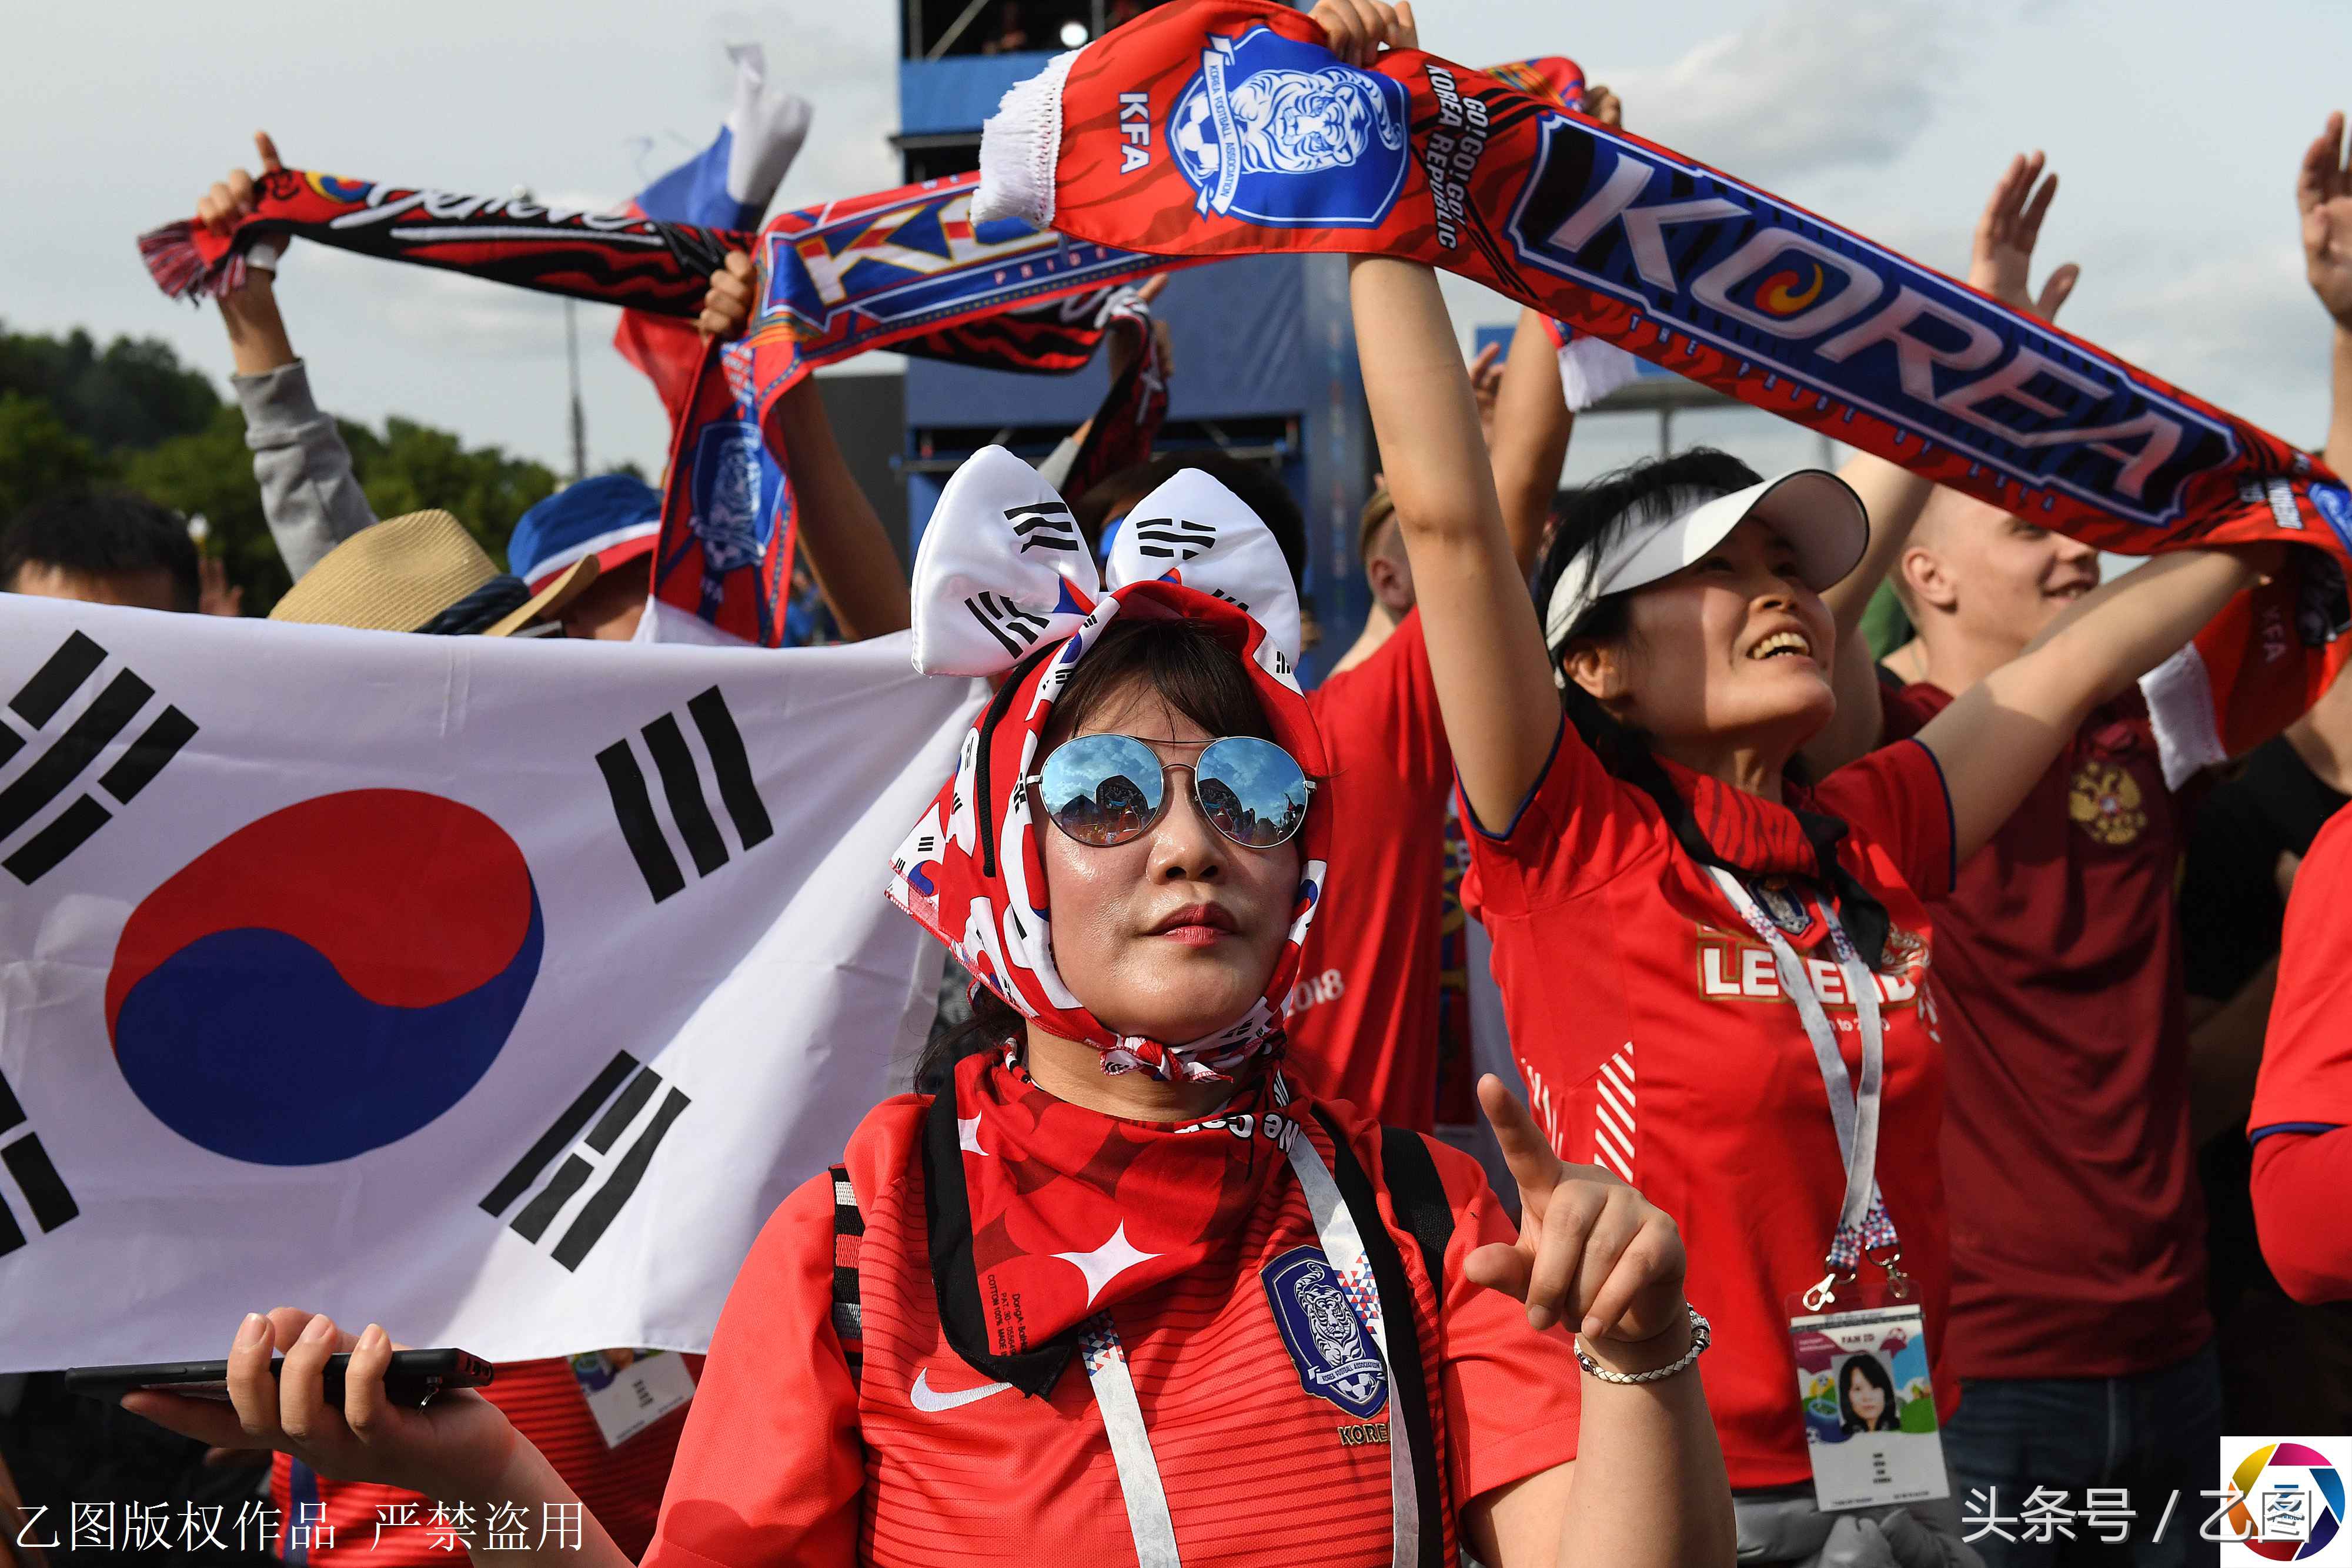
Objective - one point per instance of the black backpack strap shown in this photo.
(1418, 1199)
(848, 1231)
(1402, 1321)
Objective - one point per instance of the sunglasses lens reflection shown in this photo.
(1102, 789)
(1251, 790)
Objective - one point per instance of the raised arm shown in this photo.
(310, 499)
(1892, 497)
(2000, 260)
(847, 549)
(2323, 194)
(1529, 438)
(1529, 422)
(1593, 1256)
(1486, 645)
(1997, 736)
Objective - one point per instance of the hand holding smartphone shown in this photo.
(415, 1377)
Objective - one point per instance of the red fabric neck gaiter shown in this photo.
(1043, 1213)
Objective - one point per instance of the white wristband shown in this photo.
(1701, 1334)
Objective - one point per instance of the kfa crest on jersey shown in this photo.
(1329, 1344)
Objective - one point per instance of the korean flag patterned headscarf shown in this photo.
(1004, 586)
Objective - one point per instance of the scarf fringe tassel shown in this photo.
(1020, 147)
(180, 271)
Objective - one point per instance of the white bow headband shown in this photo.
(1002, 569)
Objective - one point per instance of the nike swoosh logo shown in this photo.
(932, 1404)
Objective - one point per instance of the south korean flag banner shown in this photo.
(494, 990)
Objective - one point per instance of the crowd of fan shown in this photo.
(2129, 1276)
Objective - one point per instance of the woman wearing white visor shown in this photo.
(1713, 970)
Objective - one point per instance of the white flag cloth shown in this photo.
(494, 990)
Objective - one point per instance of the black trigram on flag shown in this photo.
(681, 781)
(1045, 525)
(622, 1091)
(1174, 539)
(56, 761)
(39, 1191)
(1006, 622)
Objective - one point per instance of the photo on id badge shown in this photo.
(1869, 1408)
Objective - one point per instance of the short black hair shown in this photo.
(1260, 488)
(102, 534)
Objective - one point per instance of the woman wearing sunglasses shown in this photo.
(1714, 974)
(1114, 1286)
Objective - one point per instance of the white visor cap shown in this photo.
(1812, 508)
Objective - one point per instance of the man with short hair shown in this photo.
(2078, 1245)
(101, 550)
(1379, 546)
(2079, 1325)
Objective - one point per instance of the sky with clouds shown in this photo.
(2176, 127)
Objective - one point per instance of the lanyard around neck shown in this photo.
(1864, 1225)
(1140, 1485)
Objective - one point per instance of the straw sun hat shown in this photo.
(404, 572)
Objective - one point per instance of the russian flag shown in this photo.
(728, 185)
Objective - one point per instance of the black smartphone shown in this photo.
(413, 1377)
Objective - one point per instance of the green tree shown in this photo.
(40, 457)
(210, 473)
(131, 395)
(76, 417)
(413, 466)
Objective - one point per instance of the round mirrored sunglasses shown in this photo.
(1106, 789)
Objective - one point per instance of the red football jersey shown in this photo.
(2306, 1077)
(922, 1459)
(622, 1486)
(2303, 1099)
(2078, 1225)
(1363, 1017)
(1655, 1039)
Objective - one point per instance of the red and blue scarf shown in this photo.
(907, 268)
(1224, 127)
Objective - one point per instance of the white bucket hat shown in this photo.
(1814, 510)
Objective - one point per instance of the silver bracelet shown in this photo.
(1701, 1334)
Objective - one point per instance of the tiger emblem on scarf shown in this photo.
(1273, 130)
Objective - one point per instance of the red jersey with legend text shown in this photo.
(1656, 1040)
(923, 1460)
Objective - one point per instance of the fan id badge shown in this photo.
(1864, 1390)
(1868, 1406)
(628, 1397)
